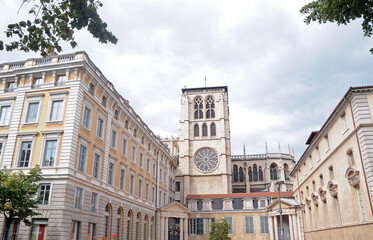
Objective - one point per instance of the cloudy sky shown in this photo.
(284, 77)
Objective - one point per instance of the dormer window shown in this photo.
(10, 86)
(227, 204)
(36, 83)
(60, 80)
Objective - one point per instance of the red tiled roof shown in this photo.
(240, 195)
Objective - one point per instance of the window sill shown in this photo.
(4, 126)
(85, 128)
(35, 124)
(54, 122)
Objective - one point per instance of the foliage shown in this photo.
(113, 237)
(17, 195)
(219, 230)
(341, 12)
(54, 21)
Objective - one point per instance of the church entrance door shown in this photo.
(174, 228)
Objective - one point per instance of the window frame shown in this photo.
(133, 153)
(59, 84)
(90, 107)
(114, 142)
(111, 179)
(30, 100)
(124, 151)
(102, 130)
(49, 196)
(7, 103)
(52, 99)
(122, 178)
(86, 145)
(231, 230)
(78, 203)
(262, 224)
(50, 137)
(20, 141)
(98, 153)
(93, 207)
(141, 159)
(251, 226)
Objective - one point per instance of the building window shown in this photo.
(129, 225)
(61, 79)
(44, 193)
(314, 185)
(198, 106)
(351, 158)
(213, 130)
(124, 146)
(100, 127)
(138, 226)
(250, 173)
(132, 184)
(106, 220)
(142, 140)
(240, 174)
(210, 105)
(255, 173)
(199, 225)
(230, 223)
(113, 142)
(5, 115)
(177, 187)
(111, 174)
(344, 122)
(204, 130)
(192, 226)
(273, 170)
(264, 224)
(91, 89)
(94, 202)
(135, 133)
(103, 101)
(249, 224)
(262, 203)
(119, 223)
(133, 154)
(318, 153)
(96, 165)
(91, 231)
(160, 175)
(148, 165)
(116, 113)
(39, 229)
(122, 178)
(147, 192)
(331, 172)
(50, 152)
(260, 174)
(154, 169)
(56, 111)
(87, 118)
(248, 204)
(153, 195)
(327, 142)
(141, 160)
(10, 86)
(36, 83)
(32, 112)
(25, 154)
(196, 130)
(79, 198)
(82, 158)
(321, 180)
(126, 124)
(140, 188)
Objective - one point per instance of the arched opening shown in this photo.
(213, 129)
(119, 222)
(273, 171)
(250, 173)
(146, 227)
(235, 173)
(204, 130)
(255, 173)
(196, 130)
(240, 173)
(210, 105)
(129, 225)
(107, 220)
(138, 226)
(286, 172)
(198, 106)
(260, 174)
(152, 228)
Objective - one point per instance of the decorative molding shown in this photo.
(352, 176)
(333, 188)
(322, 194)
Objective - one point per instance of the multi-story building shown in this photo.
(104, 170)
(333, 180)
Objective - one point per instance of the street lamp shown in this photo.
(278, 183)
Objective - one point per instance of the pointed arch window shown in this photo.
(255, 173)
(240, 173)
(250, 173)
(273, 171)
(210, 107)
(204, 130)
(196, 130)
(235, 173)
(107, 218)
(198, 106)
(260, 174)
(213, 129)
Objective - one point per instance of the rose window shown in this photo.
(206, 160)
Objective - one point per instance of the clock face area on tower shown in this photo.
(206, 160)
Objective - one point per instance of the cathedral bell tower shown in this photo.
(204, 157)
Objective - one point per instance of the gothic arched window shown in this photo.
(286, 172)
(198, 106)
(240, 173)
(250, 172)
(196, 130)
(213, 129)
(204, 130)
(273, 171)
(235, 173)
(210, 106)
(260, 174)
(255, 173)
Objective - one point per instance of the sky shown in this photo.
(284, 77)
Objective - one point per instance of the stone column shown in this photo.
(295, 229)
(162, 228)
(276, 230)
(270, 228)
(166, 228)
(291, 227)
(186, 234)
(181, 228)
(299, 221)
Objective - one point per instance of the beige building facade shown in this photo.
(333, 178)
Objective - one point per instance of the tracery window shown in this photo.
(273, 171)
(196, 130)
(241, 174)
(235, 173)
(255, 173)
(210, 106)
(198, 106)
(204, 130)
(213, 130)
(260, 174)
(250, 172)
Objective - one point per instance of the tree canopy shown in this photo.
(17, 195)
(54, 21)
(341, 12)
(219, 230)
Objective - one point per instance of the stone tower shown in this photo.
(205, 157)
